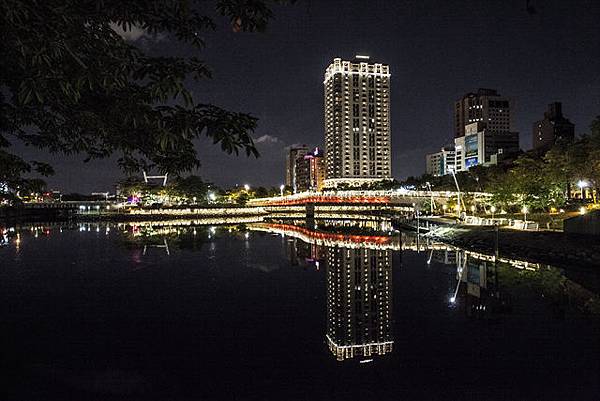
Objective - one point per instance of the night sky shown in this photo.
(437, 51)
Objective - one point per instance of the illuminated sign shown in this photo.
(470, 162)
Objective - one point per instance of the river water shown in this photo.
(330, 310)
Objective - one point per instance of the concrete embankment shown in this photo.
(553, 248)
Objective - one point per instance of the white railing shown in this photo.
(392, 194)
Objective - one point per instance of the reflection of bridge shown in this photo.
(390, 197)
(381, 242)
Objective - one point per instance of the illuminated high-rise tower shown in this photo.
(357, 121)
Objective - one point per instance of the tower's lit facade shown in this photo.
(357, 121)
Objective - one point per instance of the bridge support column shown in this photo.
(310, 216)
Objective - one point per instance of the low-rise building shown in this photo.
(440, 163)
(481, 146)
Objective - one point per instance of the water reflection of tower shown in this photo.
(478, 294)
(359, 302)
(304, 254)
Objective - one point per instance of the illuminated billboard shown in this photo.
(470, 162)
(471, 148)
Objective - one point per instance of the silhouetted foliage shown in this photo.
(71, 83)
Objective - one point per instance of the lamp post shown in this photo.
(432, 204)
(582, 184)
(525, 210)
(281, 188)
(457, 189)
(493, 209)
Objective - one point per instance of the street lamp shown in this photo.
(444, 207)
(473, 210)
(212, 197)
(525, 210)
(247, 187)
(493, 209)
(432, 204)
(281, 188)
(582, 184)
(457, 189)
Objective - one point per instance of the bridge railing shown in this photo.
(371, 196)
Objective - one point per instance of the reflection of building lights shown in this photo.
(452, 300)
(247, 235)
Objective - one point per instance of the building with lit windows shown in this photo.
(359, 302)
(316, 165)
(292, 155)
(483, 146)
(357, 122)
(553, 128)
(308, 172)
(440, 163)
(486, 106)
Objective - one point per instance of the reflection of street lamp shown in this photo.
(281, 188)
(493, 209)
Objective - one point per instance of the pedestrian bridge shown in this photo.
(388, 198)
